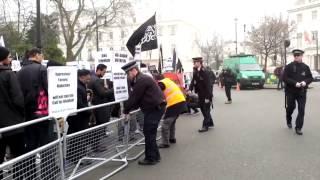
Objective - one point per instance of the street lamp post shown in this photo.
(317, 44)
(286, 45)
(97, 32)
(236, 32)
(38, 29)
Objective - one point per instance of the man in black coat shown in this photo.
(229, 79)
(147, 95)
(32, 77)
(201, 84)
(297, 77)
(101, 94)
(12, 111)
(80, 121)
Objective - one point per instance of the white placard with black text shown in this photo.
(62, 90)
(120, 84)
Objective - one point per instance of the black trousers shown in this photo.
(280, 84)
(205, 110)
(150, 126)
(77, 146)
(17, 148)
(228, 91)
(38, 135)
(292, 98)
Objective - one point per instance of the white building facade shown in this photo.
(306, 15)
(173, 33)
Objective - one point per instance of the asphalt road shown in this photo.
(250, 141)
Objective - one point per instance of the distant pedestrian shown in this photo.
(229, 79)
(278, 72)
(297, 76)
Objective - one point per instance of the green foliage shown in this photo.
(49, 38)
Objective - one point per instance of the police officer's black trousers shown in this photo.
(207, 119)
(291, 105)
(151, 122)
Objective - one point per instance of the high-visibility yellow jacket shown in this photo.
(172, 92)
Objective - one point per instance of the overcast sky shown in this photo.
(218, 15)
(210, 15)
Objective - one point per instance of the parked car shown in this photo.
(315, 75)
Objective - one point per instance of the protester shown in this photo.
(147, 95)
(12, 111)
(101, 94)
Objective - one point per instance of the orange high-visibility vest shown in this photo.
(172, 92)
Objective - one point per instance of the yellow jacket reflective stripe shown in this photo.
(172, 92)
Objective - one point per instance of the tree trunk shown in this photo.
(265, 63)
(70, 56)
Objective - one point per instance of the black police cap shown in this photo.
(297, 51)
(127, 67)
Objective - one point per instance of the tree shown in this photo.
(212, 51)
(267, 39)
(76, 33)
(14, 24)
(49, 39)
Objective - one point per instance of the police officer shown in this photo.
(200, 82)
(147, 95)
(297, 77)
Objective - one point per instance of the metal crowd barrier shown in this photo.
(42, 163)
(73, 155)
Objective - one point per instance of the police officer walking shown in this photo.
(200, 82)
(147, 95)
(297, 76)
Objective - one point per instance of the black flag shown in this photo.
(145, 35)
(160, 65)
(179, 66)
(174, 60)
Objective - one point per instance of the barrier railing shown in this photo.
(42, 163)
(73, 155)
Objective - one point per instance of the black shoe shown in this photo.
(289, 126)
(164, 146)
(173, 141)
(204, 129)
(147, 162)
(299, 132)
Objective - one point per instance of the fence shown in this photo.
(70, 156)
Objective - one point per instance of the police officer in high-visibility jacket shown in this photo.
(176, 104)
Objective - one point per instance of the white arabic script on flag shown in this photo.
(150, 34)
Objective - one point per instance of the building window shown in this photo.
(160, 29)
(172, 30)
(299, 18)
(100, 36)
(299, 40)
(314, 35)
(314, 15)
(111, 35)
(123, 34)
(123, 22)
(173, 46)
